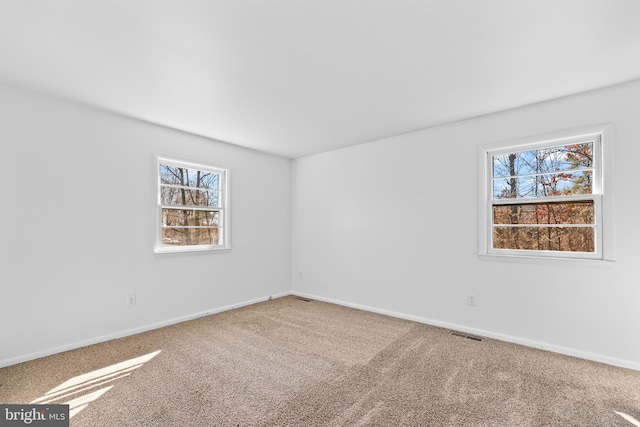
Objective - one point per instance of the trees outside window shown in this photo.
(192, 206)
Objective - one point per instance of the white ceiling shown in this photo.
(300, 77)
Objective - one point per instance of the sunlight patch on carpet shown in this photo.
(628, 418)
(84, 389)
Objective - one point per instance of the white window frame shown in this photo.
(602, 195)
(224, 211)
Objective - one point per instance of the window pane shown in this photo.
(189, 177)
(183, 197)
(553, 159)
(544, 185)
(191, 218)
(569, 239)
(513, 164)
(545, 213)
(176, 236)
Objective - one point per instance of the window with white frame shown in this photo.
(544, 198)
(192, 206)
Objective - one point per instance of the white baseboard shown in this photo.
(128, 332)
(488, 334)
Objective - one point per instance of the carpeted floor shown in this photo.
(289, 362)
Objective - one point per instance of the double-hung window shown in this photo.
(192, 207)
(544, 199)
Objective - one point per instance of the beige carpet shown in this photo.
(290, 362)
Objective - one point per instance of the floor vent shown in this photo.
(467, 336)
(303, 299)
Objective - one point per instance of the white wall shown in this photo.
(78, 220)
(392, 226)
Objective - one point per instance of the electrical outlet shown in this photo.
(300, 275)
(472, 300)
(131, 300)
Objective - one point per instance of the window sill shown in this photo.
(596, 263)
(191, 250)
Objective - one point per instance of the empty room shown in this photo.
(320, 213)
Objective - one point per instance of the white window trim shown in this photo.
(603, 200)
(225, 186)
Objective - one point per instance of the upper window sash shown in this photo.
(545, 170)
